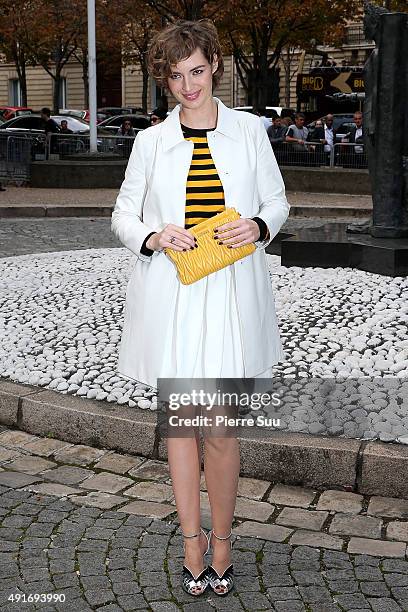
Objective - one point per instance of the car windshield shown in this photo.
(137, 121)
(74, 124)
(72, 113)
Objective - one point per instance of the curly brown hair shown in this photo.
(177, 41)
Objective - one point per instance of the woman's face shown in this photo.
(191, 80)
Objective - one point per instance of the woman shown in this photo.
(157, 116)
(126, 129)
(203, 157)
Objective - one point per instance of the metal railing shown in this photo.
(349, 155)
(346, 155)
(305, 155)
(62, 145)
(16, 153)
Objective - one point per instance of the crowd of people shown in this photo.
(287, 136)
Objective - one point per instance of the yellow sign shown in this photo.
(340, 82)
(312, 83)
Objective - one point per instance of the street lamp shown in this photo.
(93, 147)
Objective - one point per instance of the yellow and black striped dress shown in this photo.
(204, 190)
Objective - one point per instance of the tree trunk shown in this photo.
(55, 97)
(145, 84)
(20, 63)
(86, 85)
(286, 67)
(23, 85)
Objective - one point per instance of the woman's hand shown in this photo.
(182, 239)
(238, 233)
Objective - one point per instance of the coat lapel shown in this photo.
(171, 133)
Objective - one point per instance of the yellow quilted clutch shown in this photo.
(192, 265)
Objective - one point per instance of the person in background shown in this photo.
(64, 127)
(51, 127)
(158, 115)
(126, 129)
(267, 121)
(329, 133)
(355, 135)
(353, 156)
(297, 133)
(286, 121)
(277, 132)
(317, 133)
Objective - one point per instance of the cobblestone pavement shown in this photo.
(21, 236)
(95, 530)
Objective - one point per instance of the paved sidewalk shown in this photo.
(100, 529)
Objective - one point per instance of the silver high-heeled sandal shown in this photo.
(191, 583)
(226, 580)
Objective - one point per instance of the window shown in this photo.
(14, 92)
(62, 94)
(28, 123)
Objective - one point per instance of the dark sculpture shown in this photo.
(385, 125)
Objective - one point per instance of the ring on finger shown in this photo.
(172, 239)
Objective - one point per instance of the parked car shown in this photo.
(80, 114)
(112, 124)
(77, 125)
(113, 111)
(34, 124)
(8, 112)
(271, 111)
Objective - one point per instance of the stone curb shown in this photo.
(297, 211)
(38, 210)
(372, 468)
(308, 211)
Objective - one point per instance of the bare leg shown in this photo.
(184, 458)
(221, 468)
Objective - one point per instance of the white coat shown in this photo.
(153, 194)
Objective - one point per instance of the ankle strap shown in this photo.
(191, 536)
(218, 537)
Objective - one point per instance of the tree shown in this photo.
(395, 5)
(290, 65)
(53, 39)
(108, 37)
(15, 26)
(257, 33)
(136, 37)
(172, 10)
(130, 25)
